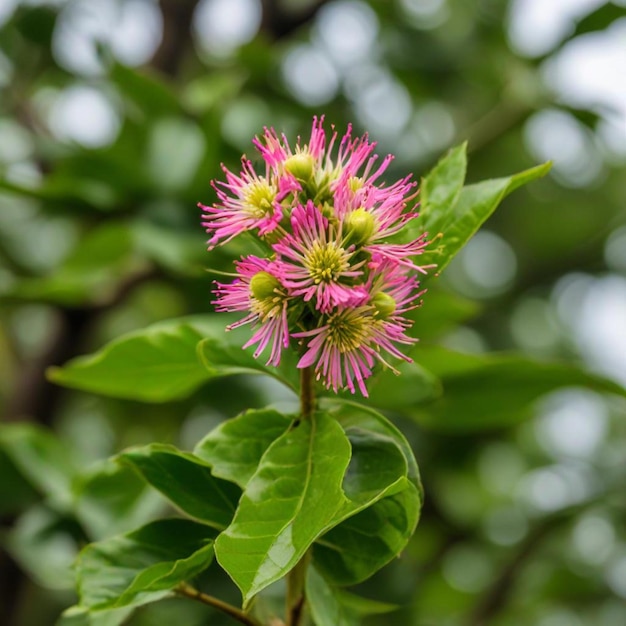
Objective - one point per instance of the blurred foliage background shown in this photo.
(114, 117)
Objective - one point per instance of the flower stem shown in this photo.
(307, 393)
(295, 592)
(191, 592)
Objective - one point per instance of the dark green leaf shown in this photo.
(286, 505)
(236, 446)
(186, 481)
(358, 547)
(143, 566)
(113, 499)
(513, 382)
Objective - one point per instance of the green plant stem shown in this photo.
(295, 592)
(307, 393)
(191, 592)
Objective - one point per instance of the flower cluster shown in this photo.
(331, 283)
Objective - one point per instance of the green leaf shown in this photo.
(513, 382)
(368, 536)
(80, 616)
(234, 449)
(458, 223)
(330, 606)
(186, 481)
(324, 604)
(42, 459)
(165, 361)
(225, 359)
(144, 565)
(156, 364)
(286, 505)
(441, 187)
(412, 386)
(112, 499)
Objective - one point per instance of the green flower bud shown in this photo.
(384, 304)
(301, 166)
(263, 285)
(359, 227)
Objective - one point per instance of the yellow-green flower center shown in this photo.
(347, 330)
(384, 304)
(263, 285)
(359, 227)
(325, 262)
(258, 198)
(301, 166)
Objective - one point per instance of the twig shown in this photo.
(194, 594)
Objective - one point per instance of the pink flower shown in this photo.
(315, 264)
(259, 292)
(345, 348)
(253, 203)
(338, 277)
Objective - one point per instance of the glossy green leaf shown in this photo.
(474, 205)
(513, 382)
(42, 459)
(286, 505)
(186, 481)
(144, 565)
(234, 449)
(165, 361)
(368, 536)
(156, 364)
(358, 547)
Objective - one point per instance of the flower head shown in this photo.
(332, 281)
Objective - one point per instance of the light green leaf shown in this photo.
(144, 565)
(514, 383)
(441, 187)
(234, 449)
(186, 481)
(165, 361)
(156, 364)
(42, 459)
(475, 204)
(80, 616)
(286, 505)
